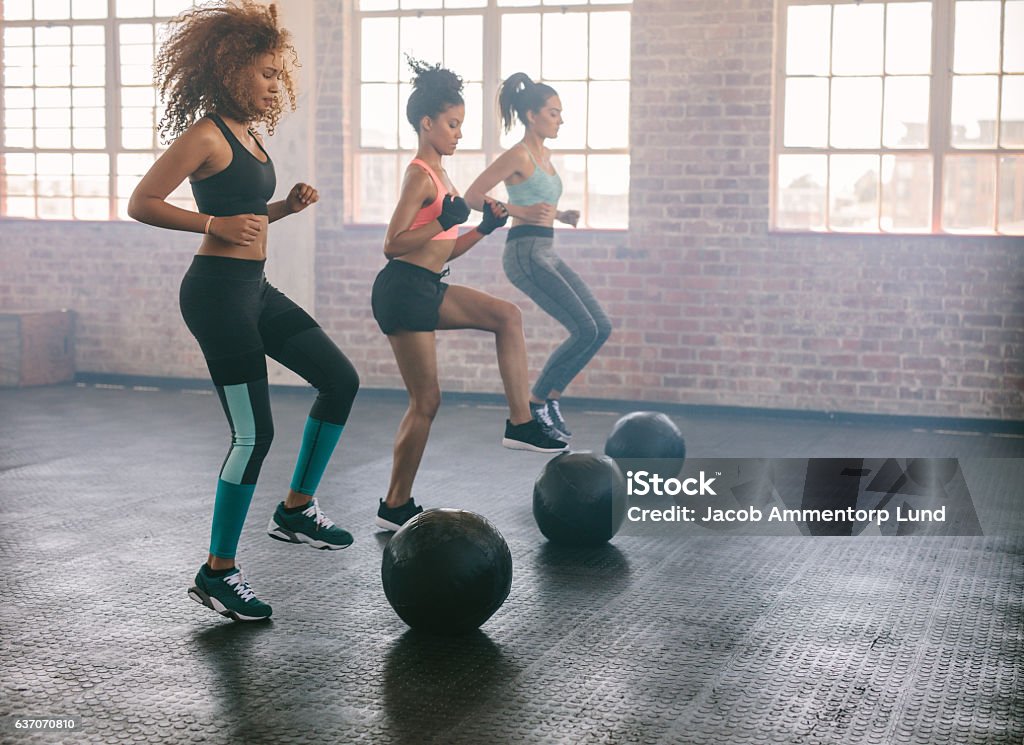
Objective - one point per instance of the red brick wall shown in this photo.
(709, 307)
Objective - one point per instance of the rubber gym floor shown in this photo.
(707, 637)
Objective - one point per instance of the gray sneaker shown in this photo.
(557, 422)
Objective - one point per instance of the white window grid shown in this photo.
(940, 154)
(74, 142)
(576, 165)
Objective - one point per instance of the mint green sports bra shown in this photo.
(541, 186)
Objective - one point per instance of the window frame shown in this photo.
(939, 146)
(491, 147)
(113, 125)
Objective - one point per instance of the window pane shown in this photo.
(378, 115)
(520, 45)
(18, 137)
(54, 208)
(462, 171)
(134, 8)
(18, 118)
(806, 112)
(17, 77)
(1011, 195)
(973, 112)
(89, 36)
(171, 7)
(801, 192)
(857, 40)
(90, 139)
(53, 98)
(55, 168)
(609, 46)
(853, 192)
(464, 46)
(18, 57)
(465, 3)
(573, 95)
(572, 169)
(517, 3)
(608, 117)
(976, 36)
(969, 193)
(20, 186)
(130, 169)
(565, 46)
(91, 208)
(379, 50)
(135, 33)
(407, 138)
(908, 38)
(608, 191)
(53, 36)
(138, 139)
(906, 193)
(807, 37)
(49, 10)
(473, 126)
(23, 164)
(18, 10)
(906, 112)
(856, 117)
(378, 187)
(138, 96)
(88, 8)
(1013, 32)
(19, 99)
(378, 4)
(21, 207)
(419, 4)
(1012, 113)
(420, 38)
(53, 139)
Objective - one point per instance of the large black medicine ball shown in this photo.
(649, 441)
(579, 499)
(446, 571)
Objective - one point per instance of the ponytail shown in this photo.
(519, 95)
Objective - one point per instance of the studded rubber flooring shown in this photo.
(703, 638)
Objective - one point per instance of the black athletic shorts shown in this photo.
(407, 297)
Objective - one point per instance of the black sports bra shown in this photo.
(244, 187)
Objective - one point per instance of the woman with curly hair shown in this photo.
(410, 302)
(530, 261)
(222, 71)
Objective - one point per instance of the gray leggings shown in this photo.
(532, 265)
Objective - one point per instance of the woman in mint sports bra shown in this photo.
(529, 260)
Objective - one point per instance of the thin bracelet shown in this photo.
(208, 221)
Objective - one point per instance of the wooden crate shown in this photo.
(36, 347)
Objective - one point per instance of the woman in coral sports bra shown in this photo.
(411, 302)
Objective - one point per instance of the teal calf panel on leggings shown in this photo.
(318, 441)
(229, 511)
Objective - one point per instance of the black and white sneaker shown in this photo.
(393, 518)
(555, 415)
(530, 436)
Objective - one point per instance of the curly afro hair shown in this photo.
(205, 63)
